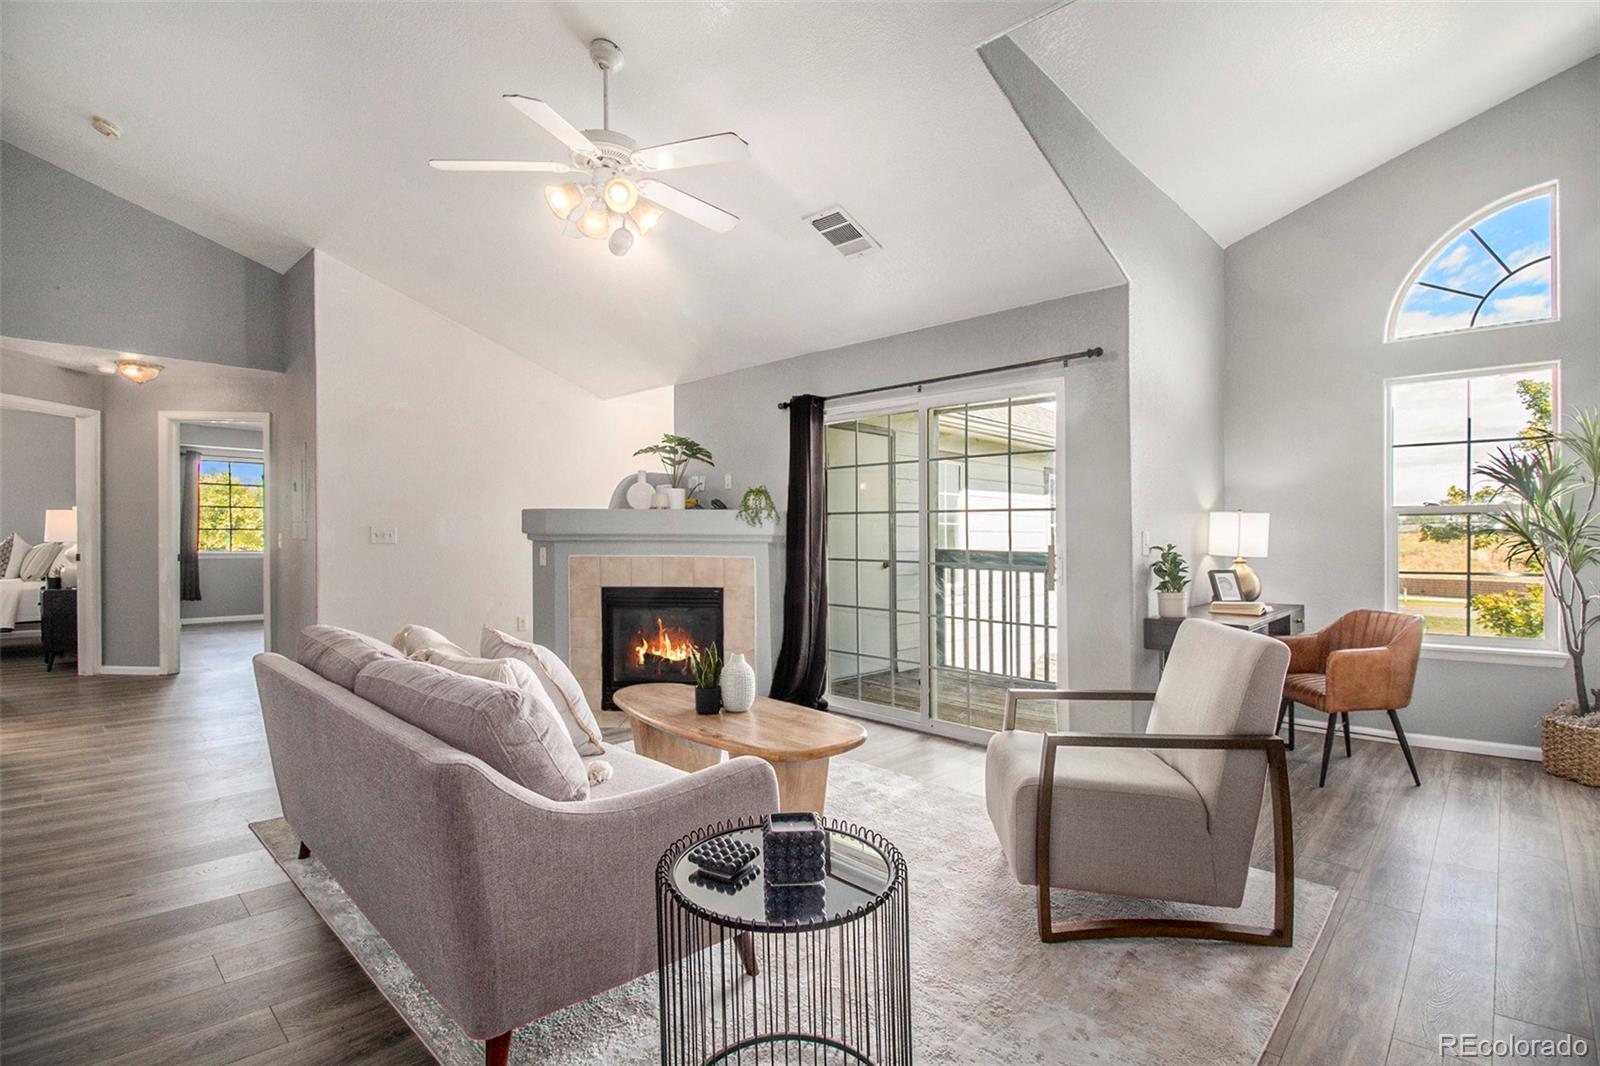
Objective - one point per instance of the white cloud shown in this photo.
(1517, 309)
(1417, 323)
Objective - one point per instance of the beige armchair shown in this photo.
(1167, 814)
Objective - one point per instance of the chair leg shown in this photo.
(1283, 709)
(1346, 718)
(1290, 745)
(1400, 735)
(305, 851)
(497, 1050)
(1327, 748)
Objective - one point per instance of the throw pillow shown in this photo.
(36, 564)
(12, 549)
(558, 681)
(499, 724)
(339, 654)
(412, 639)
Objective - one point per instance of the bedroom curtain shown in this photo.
(189, 542)
(800, 674)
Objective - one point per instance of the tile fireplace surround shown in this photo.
(576, 553)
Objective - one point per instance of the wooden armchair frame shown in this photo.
(1282, 932)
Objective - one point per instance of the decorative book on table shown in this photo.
(1248, 608)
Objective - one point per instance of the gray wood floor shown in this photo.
(140, 921)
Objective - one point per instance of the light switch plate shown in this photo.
(542, 561)
(386, 535)
(522, 623)
(727, 481)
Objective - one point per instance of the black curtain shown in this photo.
(801, 672)
(189, 539)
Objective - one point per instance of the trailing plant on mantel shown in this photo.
(756, 506)
(676, 453)
(1172, 573)
(1551, 525)
(706, 663)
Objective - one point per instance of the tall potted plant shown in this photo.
(676, 453)
(1551, 524)
(1172, 581)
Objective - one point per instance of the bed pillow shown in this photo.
(36, 564)
(499, 724)
(12, 549)
(559, 684)
(337, 654)
(413, 639)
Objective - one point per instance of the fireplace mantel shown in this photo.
(564, 593)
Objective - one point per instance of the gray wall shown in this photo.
(1307, 301)
(85, 267)
(735, 415)
(230, 585)
(37, 470)
(1175, 326)
(293, 492)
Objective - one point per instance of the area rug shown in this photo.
(984, 989)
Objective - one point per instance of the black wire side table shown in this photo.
(756, 973)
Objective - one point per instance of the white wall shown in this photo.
(436, 431)
(38, 470)
(1303, 397)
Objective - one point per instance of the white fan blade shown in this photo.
(696, 152)
(554, 124)
(531, 166)
(690, 207)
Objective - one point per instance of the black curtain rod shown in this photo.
(1087, 353)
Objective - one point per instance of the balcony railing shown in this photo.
(994, 613)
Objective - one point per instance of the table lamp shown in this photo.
(1241, 534)
(61, 524)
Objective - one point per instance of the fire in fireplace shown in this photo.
(648, 633)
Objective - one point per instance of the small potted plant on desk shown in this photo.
(706, 663)
(1172, 579)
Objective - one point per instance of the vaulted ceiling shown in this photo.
(275, 128)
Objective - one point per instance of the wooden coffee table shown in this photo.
(797, 741)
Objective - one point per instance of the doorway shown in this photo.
(215, 557)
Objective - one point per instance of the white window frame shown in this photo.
(236, 455)
(1508, 650)
(923, 399)
(1554, 189)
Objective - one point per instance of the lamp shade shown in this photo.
(61, 525)
(1239, 534)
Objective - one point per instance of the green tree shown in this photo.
(1513, 613)
(1536, 399)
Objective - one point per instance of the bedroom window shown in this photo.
(232, 503)
(1448, 561)
(1496, 269)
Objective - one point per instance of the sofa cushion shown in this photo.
(631, 772)
(558, 681)
(339, 654)
(413, 639)
(499, 724)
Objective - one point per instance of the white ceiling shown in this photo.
(275, 128)
(1243, 112)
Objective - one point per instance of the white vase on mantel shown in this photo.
(641, 492)
(677, 498)
(738, 684)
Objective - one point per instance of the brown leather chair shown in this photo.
(1366, 661)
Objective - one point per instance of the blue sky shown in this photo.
(1519, 234)
(244, 473)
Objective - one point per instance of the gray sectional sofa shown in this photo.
(506, 904)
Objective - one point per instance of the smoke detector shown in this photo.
(843, 232)
(105, 127)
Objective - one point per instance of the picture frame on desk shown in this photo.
(1225, 586)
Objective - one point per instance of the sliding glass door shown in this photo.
(942, 519)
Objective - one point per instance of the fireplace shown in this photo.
(647, 633)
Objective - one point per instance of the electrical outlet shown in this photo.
(727, 481)
(522, 624)
(389, 535)
(1144, 541)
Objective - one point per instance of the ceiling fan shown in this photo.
(613, 195)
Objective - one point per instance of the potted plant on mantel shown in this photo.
(1172, 582)
(676, 453)
(1551, 524)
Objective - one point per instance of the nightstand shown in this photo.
(58, 624)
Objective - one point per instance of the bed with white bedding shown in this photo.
(19, 602)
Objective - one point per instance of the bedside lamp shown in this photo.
(61, 524)
(1240, 534)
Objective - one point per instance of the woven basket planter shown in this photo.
(1570, 750)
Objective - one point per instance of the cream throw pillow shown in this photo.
(558, 681)
(413, 639)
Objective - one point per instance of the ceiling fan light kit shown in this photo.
(614, 199)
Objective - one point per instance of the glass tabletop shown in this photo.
(859, 878)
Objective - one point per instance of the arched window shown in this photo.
(1496, 269)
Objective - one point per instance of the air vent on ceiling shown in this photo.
(842, 231)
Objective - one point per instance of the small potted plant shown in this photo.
(1551, 525)
(756, 506)
(1172, 579)
(706, 663)
(676, 453)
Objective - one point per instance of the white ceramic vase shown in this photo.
(738, 683)
(640, 492)
(678, 498)
(1172, 604)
